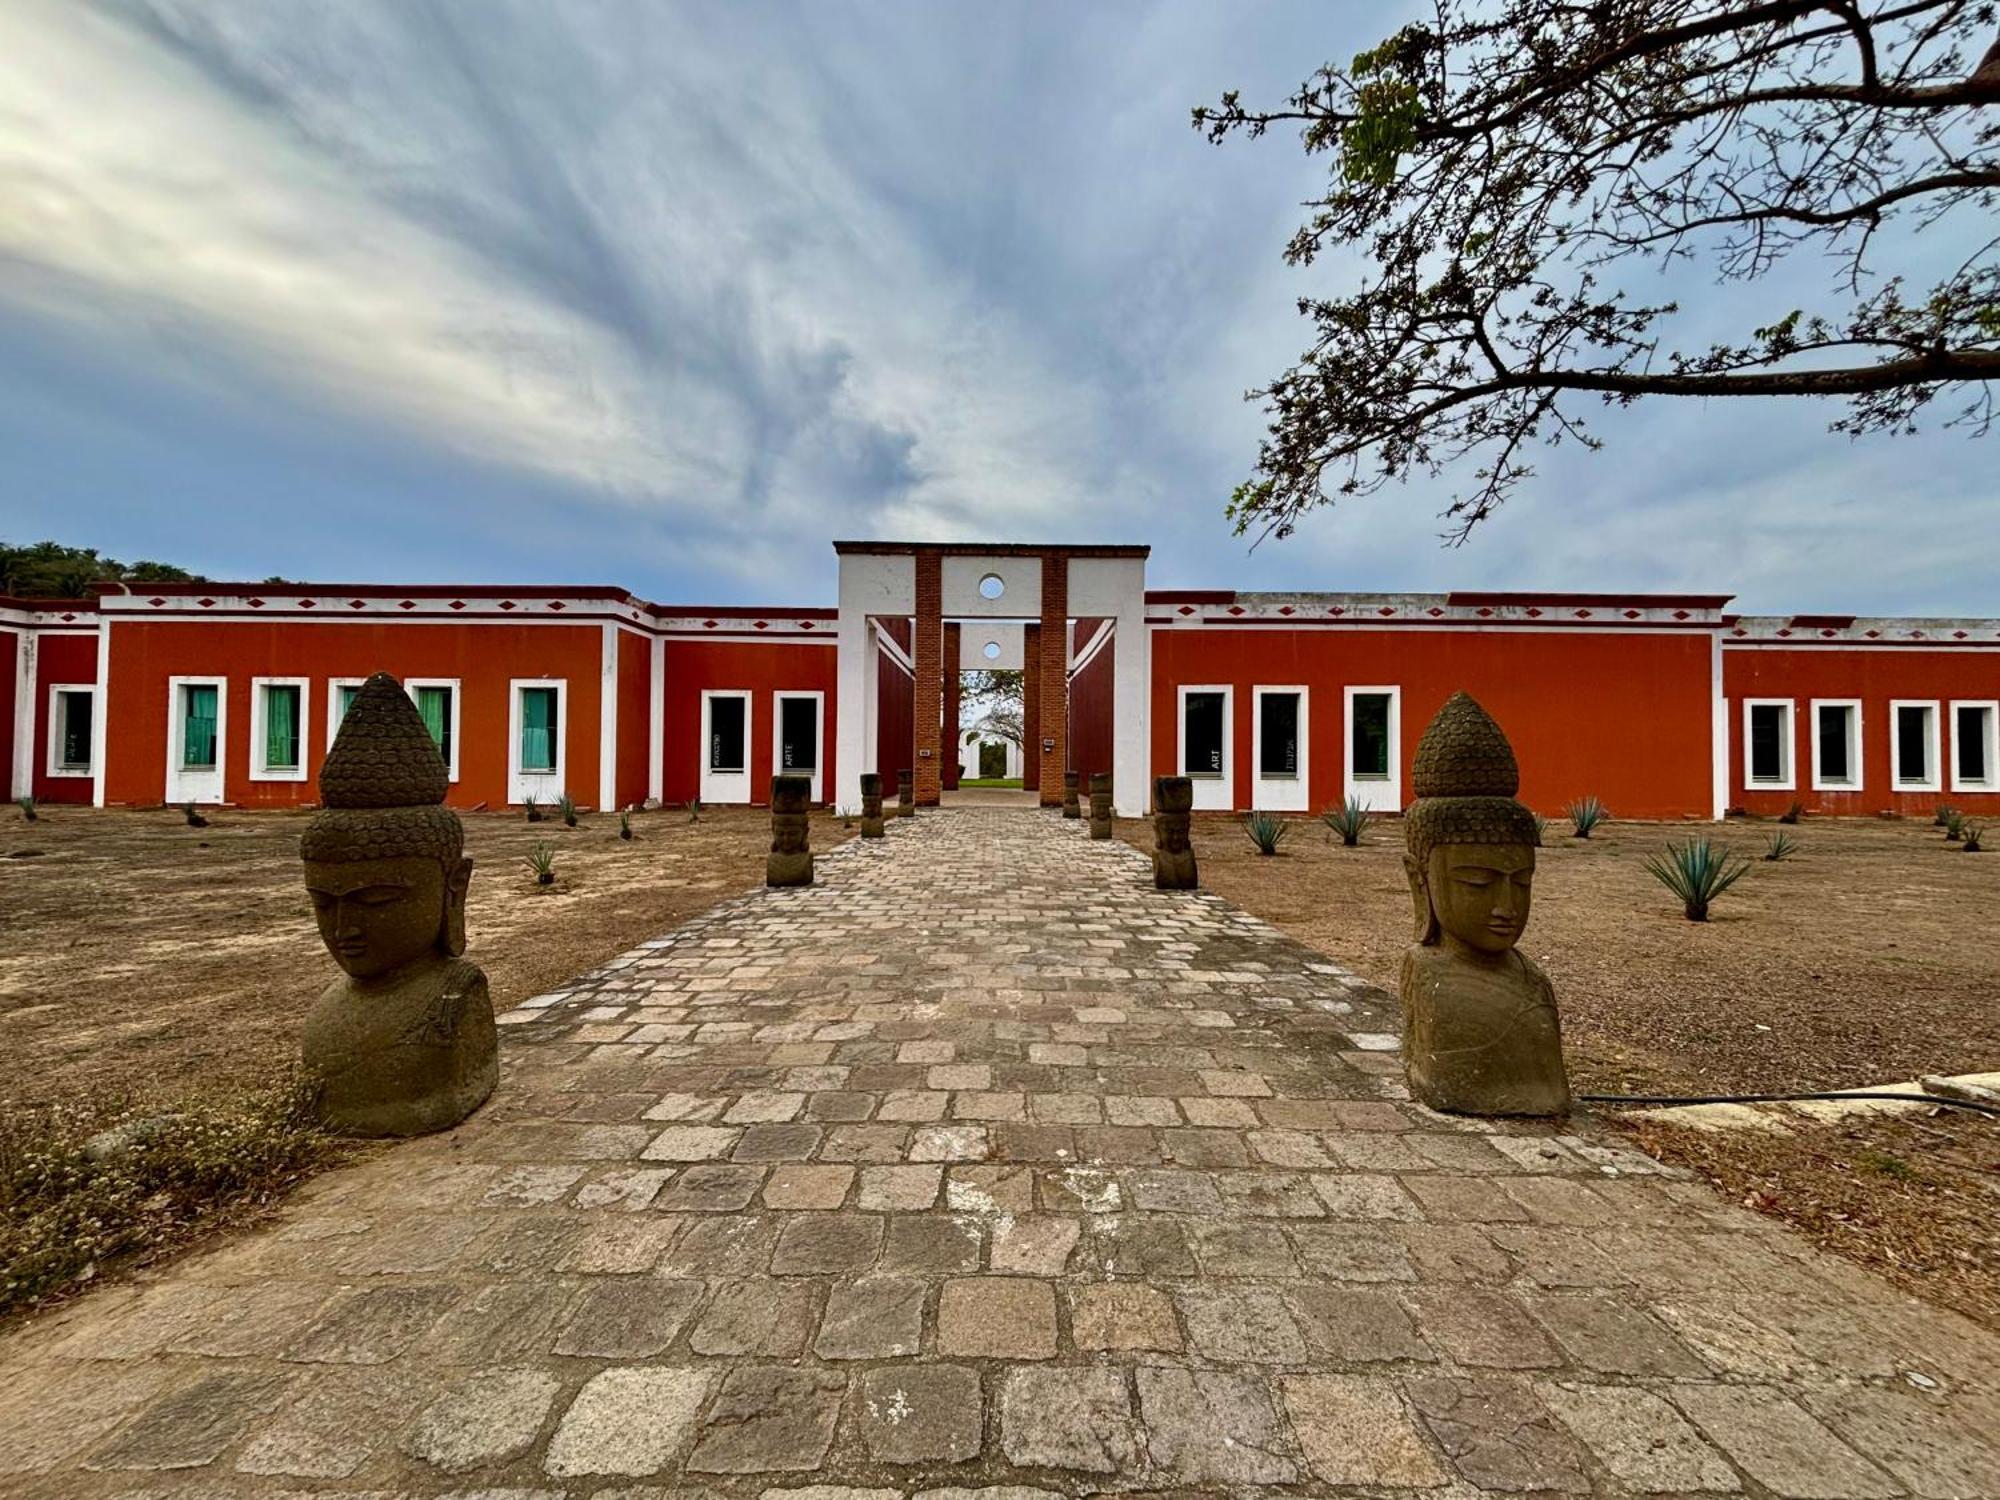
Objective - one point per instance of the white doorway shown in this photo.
(1204, 739)
(537, 726)
(197, 732)
(1374, 747)
(725, 746)
(1278, 750)
(798, 733)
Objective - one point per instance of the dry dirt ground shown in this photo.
(141, 958)
(1871, 955)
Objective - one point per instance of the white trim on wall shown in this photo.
(607, 720)
(1291, 793)
(546, 787)
(21, 773)
(656, 724)
(1897, 781)
(1990, 733)
(206, 783)
(1787, 779)
(1856, 742)
(410, 686)
(259, 770)
(52, 766)
(1377, 794)
(818, 698)
(1214, 791)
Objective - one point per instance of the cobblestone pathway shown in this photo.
(982, 1164)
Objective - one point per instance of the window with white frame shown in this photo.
(1767, 744)
(278, 728)
(1913, 745)
(538, 728)
(72, 718)
(1836, 744)
(198, 724)
(1974, 750)
(437, 703)
(340, 695)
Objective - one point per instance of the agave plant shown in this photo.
(1972, 832)
(1266, 830)
(1585, 814)
(1793, 813)
(1954, 825)
(27, 805)
(542, 860)
(1347, 820)
(1941, 817)
(1781, 846)
(193, 815)
(568, 805)
(534, 808)
(1697, 872)
(625, 826)
(694, 810)
(1541, 828)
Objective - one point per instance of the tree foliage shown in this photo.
(1497, 161)
(49, 570)
(993, 700)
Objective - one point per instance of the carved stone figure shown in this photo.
(1070, 807)
(906, 794)
(791, 861)
(1481, 1035)
(404, 1043)
(1173, 850)
(871, 805)
(1100, 805)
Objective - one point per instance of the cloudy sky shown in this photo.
(669, 296)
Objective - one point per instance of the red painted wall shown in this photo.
(1620, 715)
(69, 660)
(635, 716)
(145, 653)
(895, 713)
(10, 647)
(764, 669)
(1090, 733)
(1875, 676)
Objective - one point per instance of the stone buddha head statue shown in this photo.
(384, 858)
(1470, 846)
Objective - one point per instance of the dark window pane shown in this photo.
(1913, 744)
(1834, 760)
(798, 734)
(1202, 730)
(725, 734)
(1767, 742)
(1969, 737)
(1370, 736)
(76, 715)
(1278, 734)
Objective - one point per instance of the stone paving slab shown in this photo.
(981, 1168)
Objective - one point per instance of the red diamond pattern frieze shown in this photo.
(1236, 609)
(1871, 634)
(308, 604)
(256, 603)
(507, 604)
(458, 604)
(67, 618)
(1185, 609)
(357, 603)
(1286, 609)
(1337, 609)
(1958, 635)
(1385, 610)
(760, 624)
(708, 624)
(1740, 631)
(807, 624)
(156, 603)
(206, 603)
(1829, 634)
(1785, 632)
(1485, 611)
(1434, 611)
(1631, 614)
(1532, 612)
(557, 605)
(1916, 635)
(1680, 614)
(407, 604)
(1583, 614)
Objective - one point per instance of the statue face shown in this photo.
(1480, 893)
(377, 915)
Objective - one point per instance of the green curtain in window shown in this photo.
(347, 697)
(197, 727)
(281, 728)
(434, 704)
(538, 729)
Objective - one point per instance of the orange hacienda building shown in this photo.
(1663, 706)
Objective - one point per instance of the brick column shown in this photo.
(1031, 707)
(927, 653)
(952, 659)
(1054, 670)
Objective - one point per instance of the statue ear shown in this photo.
(1420, 896)
(451, 936)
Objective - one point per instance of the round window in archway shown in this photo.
(992, 586)
(991, 651)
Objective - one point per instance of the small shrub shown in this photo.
(625, 826)
(1972, 833)
(542, 860)
(1585, 814)
(534, 808)
(694, 810)
(27, 806)
(1348, 820)
(193, 815)
(1941, 817)
(1697, 872)
(1954, 826)
(568, 805)
(1541, 829)
(65, 1210)
(1266, 830)
(1793, 813)
(1781, 846)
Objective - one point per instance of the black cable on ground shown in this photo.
(1671, 1100)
